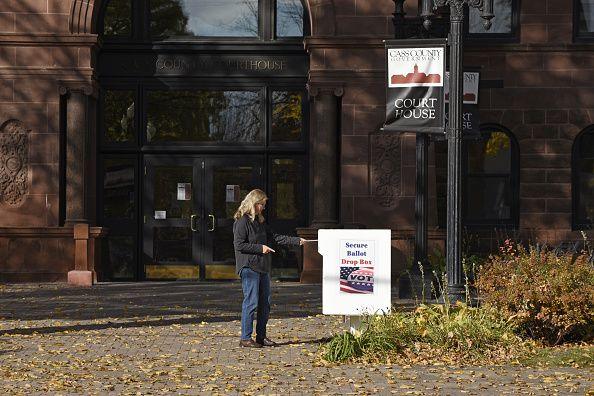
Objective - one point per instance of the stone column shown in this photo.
(80, 133)
(325, 163)
(80, 102)
(325, 168)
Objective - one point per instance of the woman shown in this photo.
(252, 261)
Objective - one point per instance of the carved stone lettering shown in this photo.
(385, 161)
(14, 163)
(203, 65)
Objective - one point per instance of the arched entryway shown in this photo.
(197, 107)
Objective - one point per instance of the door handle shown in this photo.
(193, 223)
(213, 225)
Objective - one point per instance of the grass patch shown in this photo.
(430, 333)
(579, 356)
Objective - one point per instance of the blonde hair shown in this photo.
(248, 204)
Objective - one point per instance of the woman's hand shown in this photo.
(266, 249)
(302, 241)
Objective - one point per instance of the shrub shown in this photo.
(438, 332)
(549, 296)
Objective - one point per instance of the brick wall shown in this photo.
(546, 100)
(355, 58)
(36, 52)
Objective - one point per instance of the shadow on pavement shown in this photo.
(143, 304)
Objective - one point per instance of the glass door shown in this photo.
(189, 203)
(172, 221)
(228, 180)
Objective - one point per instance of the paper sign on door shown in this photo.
(232, 193)
(184, 191)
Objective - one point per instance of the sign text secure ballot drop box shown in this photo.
(356, 271)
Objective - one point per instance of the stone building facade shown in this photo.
(536, 96)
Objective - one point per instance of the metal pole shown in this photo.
(399, 20)
(455, 286)
(421, 202)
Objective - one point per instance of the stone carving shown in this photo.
(14, 163)
(386, 166)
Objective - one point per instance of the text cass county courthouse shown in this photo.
(130, 130)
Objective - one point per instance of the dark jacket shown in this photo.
(248, 238)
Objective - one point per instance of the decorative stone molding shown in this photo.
(84, 15)
(14, 163)
(386, 167)
(322, 17)
(329, 88)
(86, 87)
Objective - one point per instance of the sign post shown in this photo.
(356, 273)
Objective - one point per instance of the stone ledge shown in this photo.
(48, 38)
(48, 232)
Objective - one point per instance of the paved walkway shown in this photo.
(166, 338)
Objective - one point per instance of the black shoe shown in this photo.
(267, 342)
(249, 344)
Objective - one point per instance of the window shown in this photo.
(289, 18)
(118, 19)
(504, 25)
(158, 20)
(119, 120)
(287, 116)
(583, 19)
(119, 194)
(583, 179)
(204, 18)
(205, 115)
(287, 194)
(490, 178)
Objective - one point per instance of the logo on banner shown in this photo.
(357, 262)
(470, 87)
(415, 67)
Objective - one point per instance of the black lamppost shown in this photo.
(454, 132)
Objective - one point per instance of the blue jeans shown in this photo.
(256, 300)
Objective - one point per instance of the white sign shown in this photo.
(232, 193)
(470, 87)
(415, 67)
(184, 191)
(356, 271)
(160, 214)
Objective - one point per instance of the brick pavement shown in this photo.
(165, 338)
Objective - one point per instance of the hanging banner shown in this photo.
(470, 112)
(470, 87)
(415, 84)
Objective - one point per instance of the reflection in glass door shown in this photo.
(227, 183)
(172, 212)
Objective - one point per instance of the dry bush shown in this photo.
(549, 296)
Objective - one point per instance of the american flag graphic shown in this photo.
(358, 280)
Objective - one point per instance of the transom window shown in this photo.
(583, 19)
(583, 179)
(152, 20)
(224, 117)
